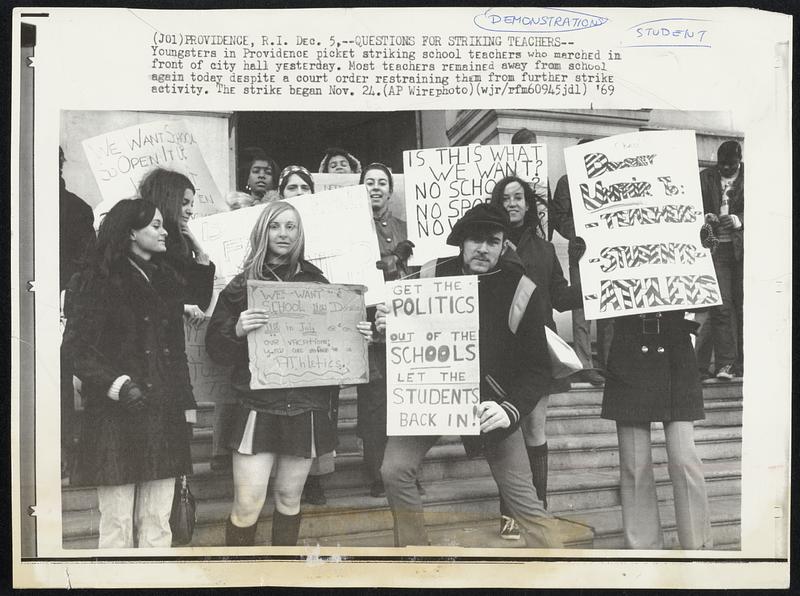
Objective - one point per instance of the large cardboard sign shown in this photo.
(637, 204)
(120, 159)
(211, 382)
(397, 204)
(311, 338)
(442, 184)
(339, 232)
(433, 362)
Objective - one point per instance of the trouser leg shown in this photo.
(737, 291)
(511, 471)
(704, 345)
(640, 517)
(581, 336)
(722, 316)
(688, 486)
(605, 333)
(153, 508)
(372, 425)
(116, 515)
(399, 471)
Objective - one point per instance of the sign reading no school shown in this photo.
(433, 364)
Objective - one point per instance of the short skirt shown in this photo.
(284, 435)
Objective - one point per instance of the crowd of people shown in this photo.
(130, 290)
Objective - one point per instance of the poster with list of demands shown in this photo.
(433, 361)
(120, 159)
(637, 204)
(442, 184)
(311, 338)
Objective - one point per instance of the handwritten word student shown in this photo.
(125, 337)
(257, 175)
(538, 257)
(273, 428)
(395, 249)
(515, 373)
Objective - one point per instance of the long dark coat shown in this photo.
(123, 324)
(652, 385)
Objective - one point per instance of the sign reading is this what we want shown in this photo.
(433, 364)
(311, 338)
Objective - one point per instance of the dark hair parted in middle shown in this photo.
(166, 190)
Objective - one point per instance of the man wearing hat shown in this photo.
(515, 372)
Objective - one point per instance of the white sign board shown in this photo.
(637, 204)
(432, 358)
(120, 159)
(441, 184)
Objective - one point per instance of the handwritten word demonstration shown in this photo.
(637, 204)
(443, 183)
(433, 362)
(311, 338)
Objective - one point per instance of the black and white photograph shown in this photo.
(395, 329)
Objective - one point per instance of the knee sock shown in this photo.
(236, 536)
(537, 456)
(285, 529)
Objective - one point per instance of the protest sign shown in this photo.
(311, 338)
(120, 159)
(323, 182)
(211, 382)
(637, 204)
(433, 364)
(444, 183)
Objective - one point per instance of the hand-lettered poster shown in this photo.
(311, 338)
(637, 204)
(432, 357)
(211, 382)
(120, 159)
(442, 184)
(339, 233)
(397, 203)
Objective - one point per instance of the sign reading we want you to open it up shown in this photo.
(637, 204)
(432, 359)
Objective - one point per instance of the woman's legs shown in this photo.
(250, 482)
(289, 479)
(688, 486)
(116, 515)
(640, 518)
(153, 508)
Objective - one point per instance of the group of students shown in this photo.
(124, 339)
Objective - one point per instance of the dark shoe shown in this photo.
(704, 375)
(236, 536)
(313, 492)
(592, 377)
(420, 488)
(725, 373)
(285, 529)
(377, 489)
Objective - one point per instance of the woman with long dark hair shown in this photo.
(125, 337)
(273, 428)
(538, 258)
(173, 194)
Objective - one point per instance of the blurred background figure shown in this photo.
(339, 161)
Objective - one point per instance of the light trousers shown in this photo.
(640, 517)
(146, 506)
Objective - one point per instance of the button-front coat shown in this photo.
(125, 324)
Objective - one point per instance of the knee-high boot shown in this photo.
(236, 536)
(537, 456)
(285, 529)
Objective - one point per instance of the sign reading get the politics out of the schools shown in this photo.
(636, 202)
(442, 184)
(311, 338)
(119, 159)
(432, 358)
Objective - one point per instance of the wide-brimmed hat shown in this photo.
(484, 215)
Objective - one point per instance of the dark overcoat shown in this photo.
(125, 324)
(652, 376)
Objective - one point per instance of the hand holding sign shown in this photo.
(250, 320)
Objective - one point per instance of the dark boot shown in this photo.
(285, 529)
(236, 536)
(537, 456)
(313, 492)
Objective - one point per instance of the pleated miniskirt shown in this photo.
(308, 435)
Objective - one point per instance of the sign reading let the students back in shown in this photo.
(433, 364)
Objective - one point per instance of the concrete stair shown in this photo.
(461, 500)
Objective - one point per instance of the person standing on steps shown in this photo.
(562, 221)
(515, 373)
(538, 257)
(257, 175)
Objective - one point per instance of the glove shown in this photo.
(131, 397)
(404, 249)
(707, 238)
(575, 249)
